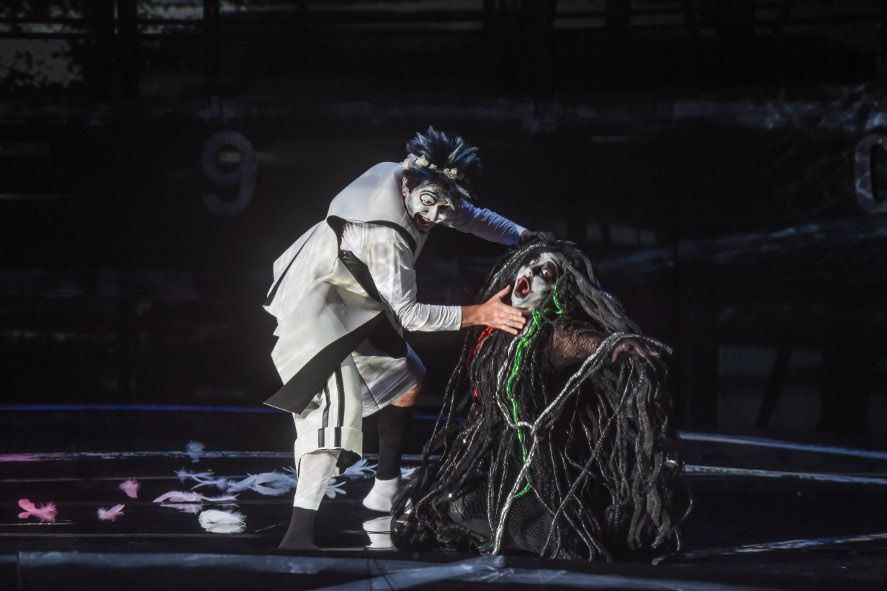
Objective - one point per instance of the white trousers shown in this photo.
(314, 475)
(332, 420)
(364, 383)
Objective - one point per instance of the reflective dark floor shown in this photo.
(214, 497)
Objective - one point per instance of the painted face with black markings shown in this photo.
(534, 281)
(428, 204)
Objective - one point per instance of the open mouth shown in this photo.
(422, 222)
(522, 288)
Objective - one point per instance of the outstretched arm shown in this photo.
(390, 263)
(485, 224)
(573, 341)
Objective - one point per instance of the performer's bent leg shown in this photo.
(327, 428)
(315, 471)
(314, 476)
(393, 423)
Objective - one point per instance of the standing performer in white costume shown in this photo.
(343, 294)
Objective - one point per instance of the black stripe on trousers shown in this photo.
(326, 416)
(337, 432)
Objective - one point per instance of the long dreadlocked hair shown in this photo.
(579, 466)
(442, 152)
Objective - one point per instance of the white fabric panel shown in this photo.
(332, 420)
(386, 379)
(315, 471)
(390, 262)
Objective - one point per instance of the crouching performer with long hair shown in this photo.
(556, 441)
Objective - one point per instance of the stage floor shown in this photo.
(767, 514)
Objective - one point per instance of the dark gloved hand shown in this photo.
(528, 235)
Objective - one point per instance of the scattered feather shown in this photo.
(221, 522)
(110, 514)
(360, 469)
(195, 450)
(178, 496)
(131, 488)
(407, 473)
(335, 488)
(273, 483)
(184, 475)
(236, 486)
(45, 513)
(193, 508)
(220, 499)
(266, 483)
(220, 483)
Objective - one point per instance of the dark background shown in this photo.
(722, 161)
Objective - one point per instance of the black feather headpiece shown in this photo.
(442, 158)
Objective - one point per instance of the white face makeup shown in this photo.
(534, 282)
(428, 205)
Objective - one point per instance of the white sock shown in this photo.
(387, 487)
(383, 491)
(315, 471)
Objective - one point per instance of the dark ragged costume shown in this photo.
(544, 443)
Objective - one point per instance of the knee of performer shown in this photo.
(409, 398)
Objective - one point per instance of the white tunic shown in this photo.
(319, 304)
(390, 261)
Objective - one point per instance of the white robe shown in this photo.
(324, 312)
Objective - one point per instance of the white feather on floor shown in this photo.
(195, 450)
(222, 522)
(360, 469)
(335, 488)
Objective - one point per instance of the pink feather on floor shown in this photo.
(131, 488)
(110, 514)
(45, 513)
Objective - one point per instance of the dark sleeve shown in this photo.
(572, 341)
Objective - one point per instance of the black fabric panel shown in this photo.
(384, 338)
(295, 395)
(340, 393)
(361, 272)
(346, 459)
(326, 416)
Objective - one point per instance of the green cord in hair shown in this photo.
(558, 308)
(516, 366)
